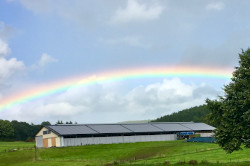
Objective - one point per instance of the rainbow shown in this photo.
(50, 88)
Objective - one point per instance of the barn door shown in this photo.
(45, 142)
(53, 142)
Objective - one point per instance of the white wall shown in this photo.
(117, 139)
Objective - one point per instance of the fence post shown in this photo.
(35, 153)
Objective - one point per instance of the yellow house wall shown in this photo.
(49, 136)
(49, 142)
(58, 142)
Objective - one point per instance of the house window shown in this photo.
(46, 132)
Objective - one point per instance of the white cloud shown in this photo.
(216, 6)
(4, 49)
(10, 67)
(99, 103)
(135, 11)
(46, 59)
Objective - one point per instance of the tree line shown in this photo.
(194, 114)
(22, 131)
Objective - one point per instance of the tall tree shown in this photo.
(6, 129)
(45, 123)
(231, 113)
(59, 122)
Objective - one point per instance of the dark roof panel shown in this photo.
(109, 128)
(171, 127)
(198, 126)
(142, 127)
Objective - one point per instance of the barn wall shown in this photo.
(58, 142)
(117, 139)
(206, 134)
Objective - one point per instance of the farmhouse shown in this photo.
(87, 134)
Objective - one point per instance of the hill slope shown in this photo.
(195, 114)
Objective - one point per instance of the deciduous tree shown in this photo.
(6, 129)
(231, 113)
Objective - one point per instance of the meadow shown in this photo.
(145, 153)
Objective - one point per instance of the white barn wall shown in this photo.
(117, 139)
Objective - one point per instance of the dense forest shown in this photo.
(18, 131)
(195, 114)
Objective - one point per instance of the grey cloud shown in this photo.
(207, 90)
(6, 31)
(85, 13)
(224, 55)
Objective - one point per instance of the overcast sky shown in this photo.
(47, 40)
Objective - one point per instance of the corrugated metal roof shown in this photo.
(154, 127)
(109, 128)
(171, 127)
(198, 126)
(142, 128)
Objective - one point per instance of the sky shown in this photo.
(46, 41)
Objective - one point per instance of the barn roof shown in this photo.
(128, 128)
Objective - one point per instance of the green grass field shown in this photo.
(6, 146)
(146, 153)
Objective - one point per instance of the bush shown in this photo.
(181, 162)
(29, 139)
(166, 163)
(193, 162)
(204, 162)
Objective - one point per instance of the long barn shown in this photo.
(87, 134)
